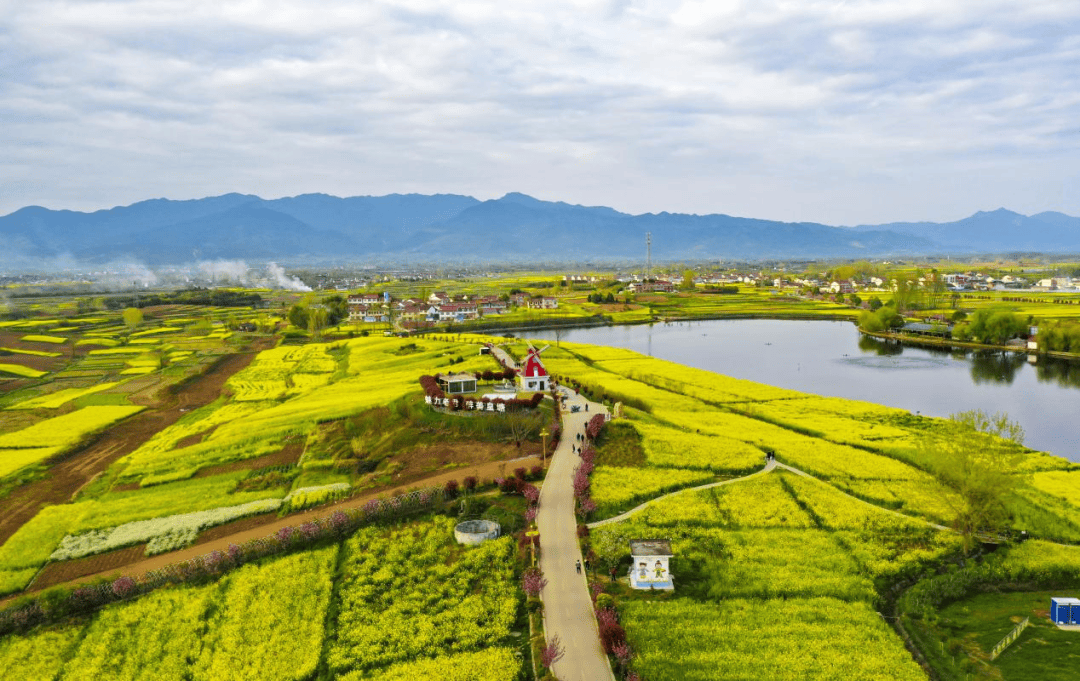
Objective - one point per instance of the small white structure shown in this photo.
(472, 532)
(456, 384)
(649, 567)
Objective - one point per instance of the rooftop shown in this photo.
(650, 547)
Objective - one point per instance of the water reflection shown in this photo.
(995, 367)
(879, 347)
(1058, 371)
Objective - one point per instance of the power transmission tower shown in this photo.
(648, 257)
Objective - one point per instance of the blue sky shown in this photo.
(838, 112)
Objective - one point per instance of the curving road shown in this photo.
(568, 611)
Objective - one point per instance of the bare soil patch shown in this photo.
(67, 570)
(462, 453)
(190, 440)
(68, 476)
(234, 528)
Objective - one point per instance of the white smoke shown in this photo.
(225, 272)
(126, 274)
(278, 279)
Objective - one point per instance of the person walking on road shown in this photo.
(578, 566)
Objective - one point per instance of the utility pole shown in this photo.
(648, 259)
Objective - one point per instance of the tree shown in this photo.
(133, 317)
(904, 290)
(317, 321)
(868, 321)
(997, 425)
(337, 309)
(298, 316)
(979, 460)
(521, 423)
(995, 325)
(552, 652)
(688, 281)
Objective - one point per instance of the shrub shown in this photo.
(470, 483)
(451, 489)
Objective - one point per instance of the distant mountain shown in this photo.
(515, 227)
(1000, 230)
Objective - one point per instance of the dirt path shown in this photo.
(638, 509)
(568, 610)
(67, 477)
(773, 464)
(139, 565)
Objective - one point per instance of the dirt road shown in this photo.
(139, 565)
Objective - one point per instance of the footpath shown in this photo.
(568, 608)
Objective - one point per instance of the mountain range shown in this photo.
(515, 227)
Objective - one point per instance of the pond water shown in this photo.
(834, 359)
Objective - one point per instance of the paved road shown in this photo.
(504, 357)
(568, 611)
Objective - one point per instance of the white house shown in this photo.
(545, 303)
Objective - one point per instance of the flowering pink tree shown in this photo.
(285, 534)
(123, 587)
(588, 454)
(533, 582)
(586, 505)
(581, 483)
(531, 493)
(552, 653)
(530, 515)
(594, 426)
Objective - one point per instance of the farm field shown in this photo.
(273, 618)
(291, 430)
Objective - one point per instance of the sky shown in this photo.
(860, 112)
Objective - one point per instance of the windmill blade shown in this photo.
(541, 350)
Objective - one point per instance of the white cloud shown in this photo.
(836, 112)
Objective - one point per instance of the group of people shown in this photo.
(580, 437)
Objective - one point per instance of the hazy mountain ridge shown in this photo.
(515, 227)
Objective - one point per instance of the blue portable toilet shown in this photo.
(1062, 610)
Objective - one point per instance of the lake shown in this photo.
(834, 359)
